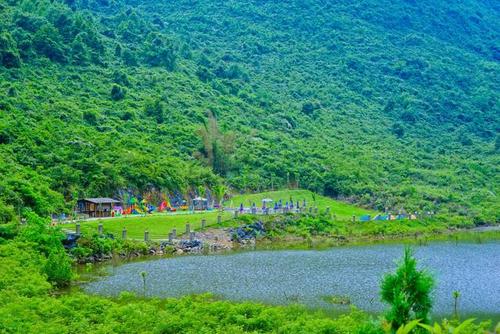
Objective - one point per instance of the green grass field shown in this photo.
(159, 225)
(340, 209)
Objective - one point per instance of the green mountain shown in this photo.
(389, 104)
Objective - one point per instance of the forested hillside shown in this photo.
(391, 104)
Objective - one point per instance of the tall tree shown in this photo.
(217, 146)
(219, 192)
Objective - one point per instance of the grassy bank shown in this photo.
(288, 242)
(324, 226)
(158, 225)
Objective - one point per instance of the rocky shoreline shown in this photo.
(214, 240)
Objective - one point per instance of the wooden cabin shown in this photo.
(96, 207)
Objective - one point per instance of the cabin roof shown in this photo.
(101, 200)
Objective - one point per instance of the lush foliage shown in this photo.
(378, 102)
(80, 313)
(35, 245)
(467, 326)
(454, 327)
(408, 292)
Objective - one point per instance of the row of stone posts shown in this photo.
(171, 236)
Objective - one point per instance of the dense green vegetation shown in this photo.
(389, 104)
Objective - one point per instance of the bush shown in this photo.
(90, 116)
(155, 109)
(7, 213)
(128, 247)
(117, 93)
(20, 272)
(9, 55)
(81, 252)
(96, 244)
(58, 268)
(398, 130)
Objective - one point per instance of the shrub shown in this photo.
(95, 245)
(398, 130)
(155, 109)
(9, 55)
(7, 213)
(121, 78)
(407, 292)
(117, 93)
(90, 116)
(20, 271)
(58, 268)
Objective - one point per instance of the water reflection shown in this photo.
(308, 276)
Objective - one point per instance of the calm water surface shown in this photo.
(279, 277)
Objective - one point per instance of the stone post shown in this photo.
(353, 219)
(146, 235)
(203, 224)
(316, 211)
(174, 233)
(235, 213)
(99, 229)
(188, 229)
(170, 237)
(124, 233)
(191, 236)
(77, 228)
(219, 219)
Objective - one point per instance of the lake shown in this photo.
(306, 276)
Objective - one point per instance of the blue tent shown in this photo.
(365, 218)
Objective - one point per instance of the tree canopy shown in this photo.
(374, 102)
